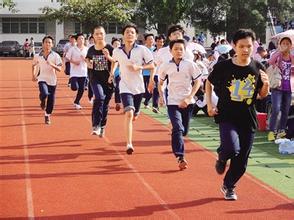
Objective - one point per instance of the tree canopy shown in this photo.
(10, 4)
(91, 12)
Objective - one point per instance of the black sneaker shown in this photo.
(130, 149)
(183, 164)
(229, 194)
(220, 166)
(47, 120)
(43, 104)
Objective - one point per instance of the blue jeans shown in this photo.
(155, 94)
(78, 84)
(131, 102)
(103, 93)
(147, 94)
(116, 89)
(47, 91)
(180, 118)
(281, 101)
(236, 144)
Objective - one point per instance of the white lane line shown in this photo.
(29, 195)
(151, 190)
(249, 176)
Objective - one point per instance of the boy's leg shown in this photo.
(128, 103)
(177, 130)
(43, 89)
(108, 94)
(97, 105)
(50, 103)
(238, 163)
(285, 107)
(147, 95)
(186, 116)
(81, 89)
(155, 95)
(137, 103)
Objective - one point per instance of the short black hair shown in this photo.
(130, 25)
(160, 37)
(178, 41)
(174, 28)
(114, 39)
(79, 34)
(47, 37)
(98, 27)
(286, 38)
(242, 34)
(148, 35)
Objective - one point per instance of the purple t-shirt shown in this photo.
(286, 74)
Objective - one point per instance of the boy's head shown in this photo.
(115, 42)
(47, 42)
(177, 48)
(130, 33)
(98, 33)
(80, 38)
(175, 32)
(243, 43)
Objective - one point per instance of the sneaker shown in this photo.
(43, 104)
(135, 117)
(78, 106)
(229, 194)
(91, 101)
(220, 166)
(146, 106)
(183, 164)
(271, 136)
(47, 120)
(155, 110)
(117, 107)
(102, 132)
(281, 134)
(96, 131)
(130, 149)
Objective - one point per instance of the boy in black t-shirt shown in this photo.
(236, 82)
(99, 63)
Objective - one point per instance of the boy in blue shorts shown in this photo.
(132, 59)
(184, 81)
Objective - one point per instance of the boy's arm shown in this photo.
(208, 91)
(188, 99)
(263, 92)
(112, 70)
(160, 91)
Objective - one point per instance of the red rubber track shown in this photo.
(60, 171)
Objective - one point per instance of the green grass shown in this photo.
(265, 162)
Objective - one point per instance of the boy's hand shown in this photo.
(134, 67)
(161, 101)
(185, 102)
(150, 86)
(110, 79)
(264, 77)
(90, 64)
(34, 78)
(212, 111)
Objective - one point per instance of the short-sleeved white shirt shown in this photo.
(47, 73)
(180, 79)
(75, 53)
(132, 81)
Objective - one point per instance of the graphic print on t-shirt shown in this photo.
(100, 62)
(242, 89)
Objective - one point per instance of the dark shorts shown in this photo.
(131, 102)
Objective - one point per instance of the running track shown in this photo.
(62, 172)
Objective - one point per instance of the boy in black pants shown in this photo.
(236, 82)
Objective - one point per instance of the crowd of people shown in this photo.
(171, 71)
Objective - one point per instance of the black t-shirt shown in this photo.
(237, 88)
(101, 66)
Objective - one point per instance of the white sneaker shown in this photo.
(78, 107)
(130, 149)
(96, 131)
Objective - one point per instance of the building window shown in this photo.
(112, 28)
(23, 25)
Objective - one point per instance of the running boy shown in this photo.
(49, 62)
(236, 82)
(99, 62)
(181, 74)
(132, 59)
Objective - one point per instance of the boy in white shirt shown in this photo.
(181, 74)
(132, 59)
(78, 68)
(49, 62)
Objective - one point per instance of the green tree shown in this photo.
(10, 4)
(160, 14)
(91, 12)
